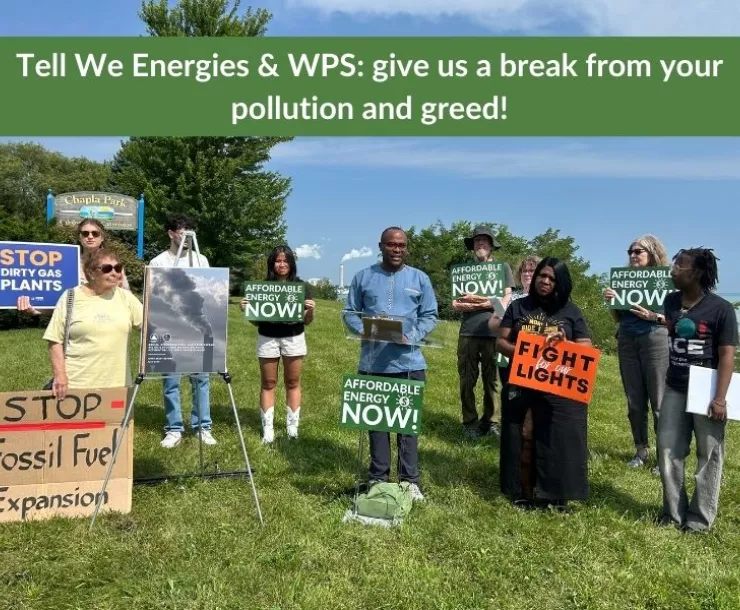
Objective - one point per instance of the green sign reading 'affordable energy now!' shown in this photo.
(484, 279)
(382, 403)
(64, 86)
(644, 286)
(274, 301)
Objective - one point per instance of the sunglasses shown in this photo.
(108, 268)
(88, 233)
(636, 251)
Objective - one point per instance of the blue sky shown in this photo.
(602, 191)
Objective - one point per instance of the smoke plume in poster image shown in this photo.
(187, 312)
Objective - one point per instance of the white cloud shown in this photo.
(308, 251)
(595, 17)
(363, 252)
(507, 159)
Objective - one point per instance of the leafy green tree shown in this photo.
(27, 172)
(433, 249)
(325, 290)
(220, 181)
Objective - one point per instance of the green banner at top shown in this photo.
(65, 86)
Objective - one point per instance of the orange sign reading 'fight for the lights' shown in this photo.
(562, 368)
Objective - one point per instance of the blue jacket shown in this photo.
(407, 294)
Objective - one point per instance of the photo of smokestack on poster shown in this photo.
(186, 312)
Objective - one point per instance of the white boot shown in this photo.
(292, 421)
(268, 433)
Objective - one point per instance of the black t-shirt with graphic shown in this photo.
(527, 315)
(696, 335)
(281, 330)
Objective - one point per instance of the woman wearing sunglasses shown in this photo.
(642, 347)
(92, 236)
(103, 315)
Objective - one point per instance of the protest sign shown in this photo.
(382, 403)
(644, 286)
(39, 271)
(563, 368)
(54, 453)
(185, 320)
(483, 279)
(501, 360)
(274, 301)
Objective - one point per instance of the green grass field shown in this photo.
(199, 544)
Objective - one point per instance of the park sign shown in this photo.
(274, 301)
(42, 272)
(563, 368)
(483, 279)
(644, 286)
(385, 404)
(54, 454)
(116, 212)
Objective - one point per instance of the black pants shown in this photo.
(476, 357)
(407, 444)
(544, 446)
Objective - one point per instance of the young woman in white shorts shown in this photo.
(286, 340)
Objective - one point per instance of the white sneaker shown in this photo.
(292, 422)
(207, 437)
(171, 439)
(268, 432)
(415, 493)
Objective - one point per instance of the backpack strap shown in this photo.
(68, 321)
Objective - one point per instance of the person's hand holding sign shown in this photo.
(310, 306)
(609, 294)
(555, 337)
(24, 306)
(243, 303)
(470, 302)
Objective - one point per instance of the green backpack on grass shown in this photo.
(385, 501)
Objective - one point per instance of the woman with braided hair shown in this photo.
(702, 331)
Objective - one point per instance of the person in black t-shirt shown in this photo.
(702, 331)
(544, 449)
(286, 340)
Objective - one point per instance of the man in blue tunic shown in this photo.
(392, 288)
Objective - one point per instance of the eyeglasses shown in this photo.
(88, 233)
(394, 246)
(108, 268)
(636, 251)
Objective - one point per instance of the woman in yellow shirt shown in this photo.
(103, 315)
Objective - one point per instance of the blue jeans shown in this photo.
(201, 396)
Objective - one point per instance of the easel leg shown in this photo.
(360, 468)
(227, 379)
(124, 429)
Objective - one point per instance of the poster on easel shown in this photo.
(185, 320)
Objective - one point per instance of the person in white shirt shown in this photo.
(176, 225)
